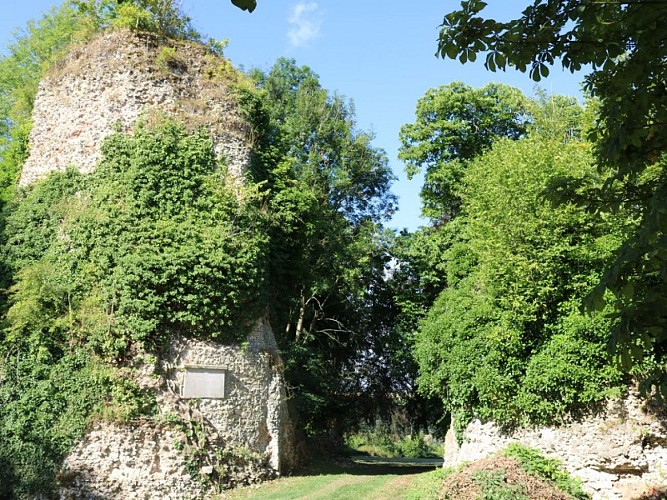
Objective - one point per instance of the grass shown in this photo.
(518, 473)
(350, 480)
(378, 442)
(427, 485)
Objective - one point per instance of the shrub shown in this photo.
(193, 262)
(131, 16)
(158, 16)
(494, 486)
(380, 442)
(46, 405)
(548, 469)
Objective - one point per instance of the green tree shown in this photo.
(623, 42)
(328, 194)
(158, 16)
(454, 124)
(505, 340)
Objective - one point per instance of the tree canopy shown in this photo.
(453, 124)
(328, 195)
(505, 339)
(623, 43)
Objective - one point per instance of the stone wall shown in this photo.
(165, 457)
(253, 412)
(115, 80)
(143, 460)
(618, 454)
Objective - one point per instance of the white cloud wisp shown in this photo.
(305, 23)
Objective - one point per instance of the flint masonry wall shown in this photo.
(148, 459)
(618, 454)
(115, 80)
(143, 460)
(252, 411)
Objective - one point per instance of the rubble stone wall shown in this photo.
(149, 459)
(143, 460)
(116, 80)
(253, 413)
(618, 454)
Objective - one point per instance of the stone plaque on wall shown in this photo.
(203, 382)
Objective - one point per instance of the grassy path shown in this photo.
(358, 479)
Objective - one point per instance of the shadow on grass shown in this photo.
(363, 465)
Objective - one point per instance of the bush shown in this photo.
(548, 469)
(169, 59)
(46, 406)
(130, 16)
(570, 371)
(193, 263)
(414, 446)
(378, 441)
(158, 16)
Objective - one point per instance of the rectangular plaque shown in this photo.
(203, 382)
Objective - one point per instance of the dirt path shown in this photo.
(359, 478)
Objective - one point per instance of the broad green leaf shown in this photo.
(248, 5)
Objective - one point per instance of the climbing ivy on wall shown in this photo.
(108, 266)
(152, 243)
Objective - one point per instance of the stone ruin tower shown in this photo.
(237, 394)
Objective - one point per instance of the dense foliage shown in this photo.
(624, 42)
(45, 406)
(330, 302)
(505, 339)
(193, 261)
(42, 44)
(454, 123)
(108, 266)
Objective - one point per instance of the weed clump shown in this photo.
(517, 473)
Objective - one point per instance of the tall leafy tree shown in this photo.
(328, 194)
(624, 44)
(454, 124)
(506, 340)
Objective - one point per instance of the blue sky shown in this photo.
(378, 53)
